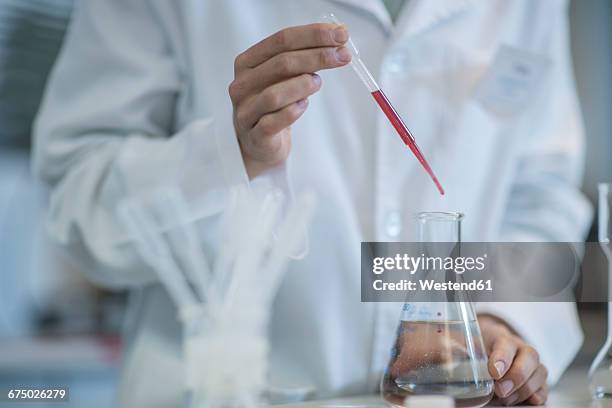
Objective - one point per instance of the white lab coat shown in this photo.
(139, 97)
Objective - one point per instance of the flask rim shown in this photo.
(440, 216)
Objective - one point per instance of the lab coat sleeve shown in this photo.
(105, 132)
(545, 203)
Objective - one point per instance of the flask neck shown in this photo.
(439, 227)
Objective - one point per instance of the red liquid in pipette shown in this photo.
(404, 133)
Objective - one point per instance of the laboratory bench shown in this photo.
(89, 367)
(571, 392)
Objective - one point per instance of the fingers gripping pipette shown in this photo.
(381, 99)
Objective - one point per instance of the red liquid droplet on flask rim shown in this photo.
(404, 133)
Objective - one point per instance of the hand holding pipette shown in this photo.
(272, 82)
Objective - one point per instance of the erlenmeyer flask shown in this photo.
(600, 373)
(439, 348)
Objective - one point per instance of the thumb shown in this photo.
(501, 356)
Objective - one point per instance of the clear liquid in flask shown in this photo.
(438, 357)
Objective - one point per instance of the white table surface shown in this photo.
(571, 392)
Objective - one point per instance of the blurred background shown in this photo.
(56, 328)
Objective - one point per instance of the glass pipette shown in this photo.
(383, 102)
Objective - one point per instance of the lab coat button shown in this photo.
(393, 224)
(396, 63)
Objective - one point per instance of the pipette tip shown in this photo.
(438, 185)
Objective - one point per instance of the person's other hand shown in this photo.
(514, 365)
(272, 82)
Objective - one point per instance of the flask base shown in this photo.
(397, 400)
